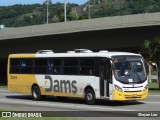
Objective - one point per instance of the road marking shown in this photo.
(10, 94)
(113, 109)
(151, 102)
(90, 107)
(33, 103)
(4, 90)
(64, 105)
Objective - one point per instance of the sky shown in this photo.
(13, 2)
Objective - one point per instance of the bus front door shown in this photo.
(105, 79)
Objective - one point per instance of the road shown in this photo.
(17, 101)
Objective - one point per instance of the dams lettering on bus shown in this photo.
(66, 86)
(13, 77)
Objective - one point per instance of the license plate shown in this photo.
(134, 95)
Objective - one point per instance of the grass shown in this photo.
(153, 87)
(3, 86)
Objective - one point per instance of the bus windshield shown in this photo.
(129, 69)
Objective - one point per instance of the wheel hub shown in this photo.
(89, 96)
(34, 94)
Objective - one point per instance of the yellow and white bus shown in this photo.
(81, 73)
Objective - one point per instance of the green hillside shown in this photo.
(24, 15)
(103, 8)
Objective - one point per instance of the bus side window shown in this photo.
(55, 66)
(70, 66)
(58, 66)
(50, 66)
(41, 66)
(86, 71)
(26, 66)
(15, 65)
(86, 66)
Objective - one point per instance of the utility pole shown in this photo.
(65, 11)
(89, 14)
(47, 10)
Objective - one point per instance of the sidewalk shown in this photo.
(4, 88)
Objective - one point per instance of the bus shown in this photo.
(119, 76)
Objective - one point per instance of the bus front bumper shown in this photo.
(123, 96)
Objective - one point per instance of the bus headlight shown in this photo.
(145, 88)
(118, 88)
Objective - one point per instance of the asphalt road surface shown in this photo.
(77, 107)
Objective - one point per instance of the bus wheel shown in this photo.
(36, 93)
(90, 97)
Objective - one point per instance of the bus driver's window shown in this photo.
(116, 63)
(123, 68)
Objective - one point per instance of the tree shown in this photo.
(151, 53)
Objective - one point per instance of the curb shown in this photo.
(150, 93)
(154, 93)
(4, 88)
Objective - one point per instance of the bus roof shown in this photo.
(91, 54)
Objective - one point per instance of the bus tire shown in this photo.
(36, 93)
(90, 97)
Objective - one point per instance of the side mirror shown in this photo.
(126, 72)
